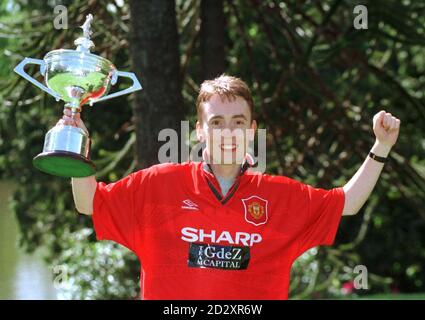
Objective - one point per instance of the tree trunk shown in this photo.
(212, 38)
(154, 49)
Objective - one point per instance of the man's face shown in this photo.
(227, 128)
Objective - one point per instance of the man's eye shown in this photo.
(215, 122)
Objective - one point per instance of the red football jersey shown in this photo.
(195, 243)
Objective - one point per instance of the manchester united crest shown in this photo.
(255, 210)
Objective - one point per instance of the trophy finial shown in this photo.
(84, 43)
(86, 26)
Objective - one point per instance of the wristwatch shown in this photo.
(378, 158)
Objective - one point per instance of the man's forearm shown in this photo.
(83, 190)
(360, 186)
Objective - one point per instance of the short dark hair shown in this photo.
(227, 87)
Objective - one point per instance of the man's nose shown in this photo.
(226, 133)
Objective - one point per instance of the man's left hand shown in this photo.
(386, 128)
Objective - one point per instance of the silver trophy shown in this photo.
(77, 77)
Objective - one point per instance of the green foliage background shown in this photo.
(317, 83)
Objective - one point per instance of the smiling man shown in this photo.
(215, 229)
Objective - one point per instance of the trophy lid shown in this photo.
(84, 43)
(82, 52)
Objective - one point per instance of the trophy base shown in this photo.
(64, 164)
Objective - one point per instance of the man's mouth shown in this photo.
(228, 147)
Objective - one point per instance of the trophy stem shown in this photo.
(74, 112)
(74, 108)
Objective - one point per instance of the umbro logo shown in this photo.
(188, 204)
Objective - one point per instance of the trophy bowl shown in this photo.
(77, 77)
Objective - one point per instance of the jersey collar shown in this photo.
(212, 182)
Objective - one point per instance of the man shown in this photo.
(215, 229)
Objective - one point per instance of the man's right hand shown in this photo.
(69, 120)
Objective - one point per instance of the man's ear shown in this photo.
(199, 132)
(253, 129)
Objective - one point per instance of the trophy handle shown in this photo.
(134, 87)
(19, 69)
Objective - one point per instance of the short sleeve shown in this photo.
(325, 209)
(114, 209)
